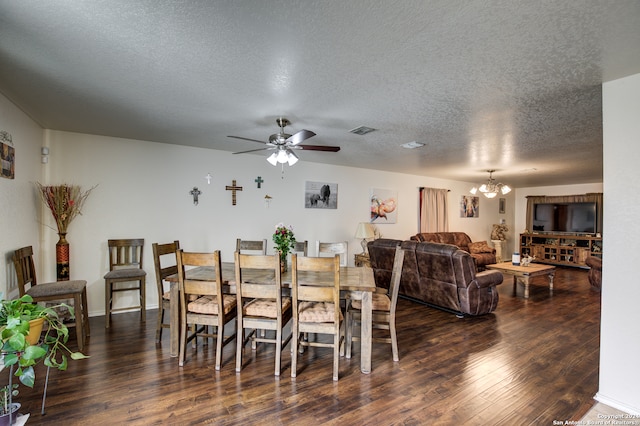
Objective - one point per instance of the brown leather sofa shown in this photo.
(482, 254)
(440, 275)
(595, 273)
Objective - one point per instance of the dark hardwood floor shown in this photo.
(531, 362)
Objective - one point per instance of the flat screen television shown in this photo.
(565, 217)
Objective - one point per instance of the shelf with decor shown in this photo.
(561, 249)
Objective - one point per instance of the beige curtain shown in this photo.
(595, 197)
(433, 210)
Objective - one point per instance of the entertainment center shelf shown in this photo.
(560, 249)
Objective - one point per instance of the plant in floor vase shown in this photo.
(65, 203)
(285, 241)
(23, 346)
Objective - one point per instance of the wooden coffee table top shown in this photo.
(531, 270)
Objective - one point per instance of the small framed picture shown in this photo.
(502, 205)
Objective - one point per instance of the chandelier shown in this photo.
(491, 188)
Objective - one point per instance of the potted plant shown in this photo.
(18, 319)
(285, 242)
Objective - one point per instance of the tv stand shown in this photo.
(561, 248)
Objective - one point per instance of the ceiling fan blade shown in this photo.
(254, 150)
(247, 139)
(319, 148)
(301, 136)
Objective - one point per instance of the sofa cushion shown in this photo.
(480, 247)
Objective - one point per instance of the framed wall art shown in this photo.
(7, 156)
(469, 206)
(320, 195)
(502, 205)
(384, 206)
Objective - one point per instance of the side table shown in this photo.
(362, 259)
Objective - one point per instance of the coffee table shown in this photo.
(524, 273)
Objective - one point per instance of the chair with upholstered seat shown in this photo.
(54, 291)
(260, 304)
(331, 249)
(384, 310)
(316, 305)
(125, 266)
(251, 246)
(203, 304)
(164, 259)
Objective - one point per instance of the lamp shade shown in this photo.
(364, 230)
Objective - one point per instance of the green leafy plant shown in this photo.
(284, 239)
(15, 316)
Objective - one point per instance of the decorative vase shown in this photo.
(62, 257)
(283, 265)
(35, 329)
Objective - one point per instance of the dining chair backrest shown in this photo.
(25, 269)
(260, 304)
(166, 264)
(301, 248)
(199, 287)
(315, 289)
(267, 288)
(333, 248)
(126, 253)
(252, 246)
(202, 302)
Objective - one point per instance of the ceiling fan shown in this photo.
(284, 144)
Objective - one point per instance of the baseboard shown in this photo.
(617, 404)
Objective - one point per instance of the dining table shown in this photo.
(356, 283)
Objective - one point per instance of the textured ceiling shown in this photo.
(508, 85)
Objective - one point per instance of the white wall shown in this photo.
(143, 191)
(18, 202)
(619, 336)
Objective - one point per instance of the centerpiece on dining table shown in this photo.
(285, 242)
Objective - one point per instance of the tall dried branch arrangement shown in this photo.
(64, 201)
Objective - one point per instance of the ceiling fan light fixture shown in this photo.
(292, 158)
(272, 159)
(490, 189)
(282, 156)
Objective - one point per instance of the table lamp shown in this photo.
(364, 231)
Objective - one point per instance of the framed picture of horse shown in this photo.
(320, 195)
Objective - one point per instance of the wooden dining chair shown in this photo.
(261, 305)
(330, 249)
(125, 266)
(164, 259)
(384, 310)
(316, 305)
(251, 246)
(301, 247)
(59, 291)
(203, 304)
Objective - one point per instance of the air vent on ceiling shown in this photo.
(362, 130)
(412, 145)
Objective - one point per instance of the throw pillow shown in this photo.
(479, 247)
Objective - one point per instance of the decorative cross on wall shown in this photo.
(233, 188)
(195, 192)
(259, 181)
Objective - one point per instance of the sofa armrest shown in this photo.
(486, 279)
